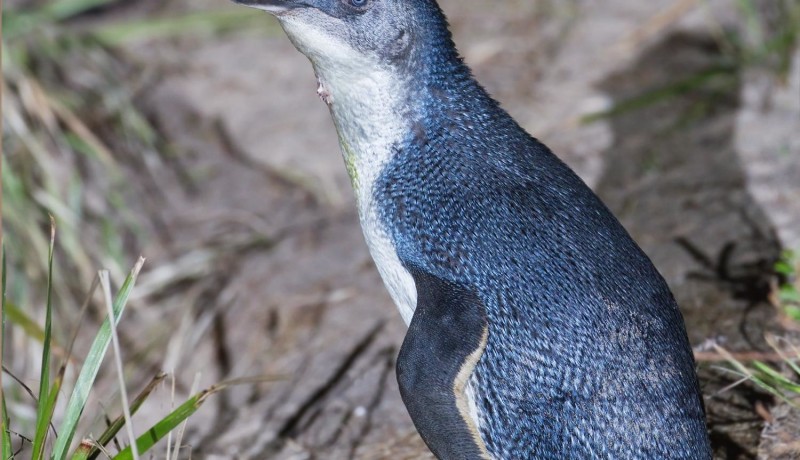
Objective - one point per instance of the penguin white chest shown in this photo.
(363, 97)
(397, 279)
(365, 157)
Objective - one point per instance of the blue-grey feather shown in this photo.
(587, 355)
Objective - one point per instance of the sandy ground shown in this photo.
(259, 211)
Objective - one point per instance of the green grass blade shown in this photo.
(119, 422)
(171, 421)
(5, 435)
(211, 22)
(90, 368)
(792, 312)
(17, 23)
(44, 412)
(776, 378)
(17, 316)
(52, 397)
(60, 10)
(167, 424)
(789, 293)
(5, 442)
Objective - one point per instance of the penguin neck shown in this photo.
(367, 98)
(377, 107)
(371, 111)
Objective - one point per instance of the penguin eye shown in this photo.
(358, 4)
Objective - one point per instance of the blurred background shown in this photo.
(190, 132)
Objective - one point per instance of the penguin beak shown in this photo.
(273, 6)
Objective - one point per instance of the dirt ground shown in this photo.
(257, 260)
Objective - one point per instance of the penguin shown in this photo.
(537, 328)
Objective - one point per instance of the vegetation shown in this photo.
(779, 377)
(51, 386)
(70, 124)
(787, 292)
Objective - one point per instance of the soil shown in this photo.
(259, 263)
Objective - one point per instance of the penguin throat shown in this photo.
(369, 107)
(367, 97)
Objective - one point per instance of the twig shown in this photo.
(713, 356)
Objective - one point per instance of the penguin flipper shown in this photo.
(444, 342)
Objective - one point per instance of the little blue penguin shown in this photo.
(537, 328)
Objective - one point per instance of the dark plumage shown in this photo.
(578, 347)
(587, 356)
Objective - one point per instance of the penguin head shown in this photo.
(345, 35)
